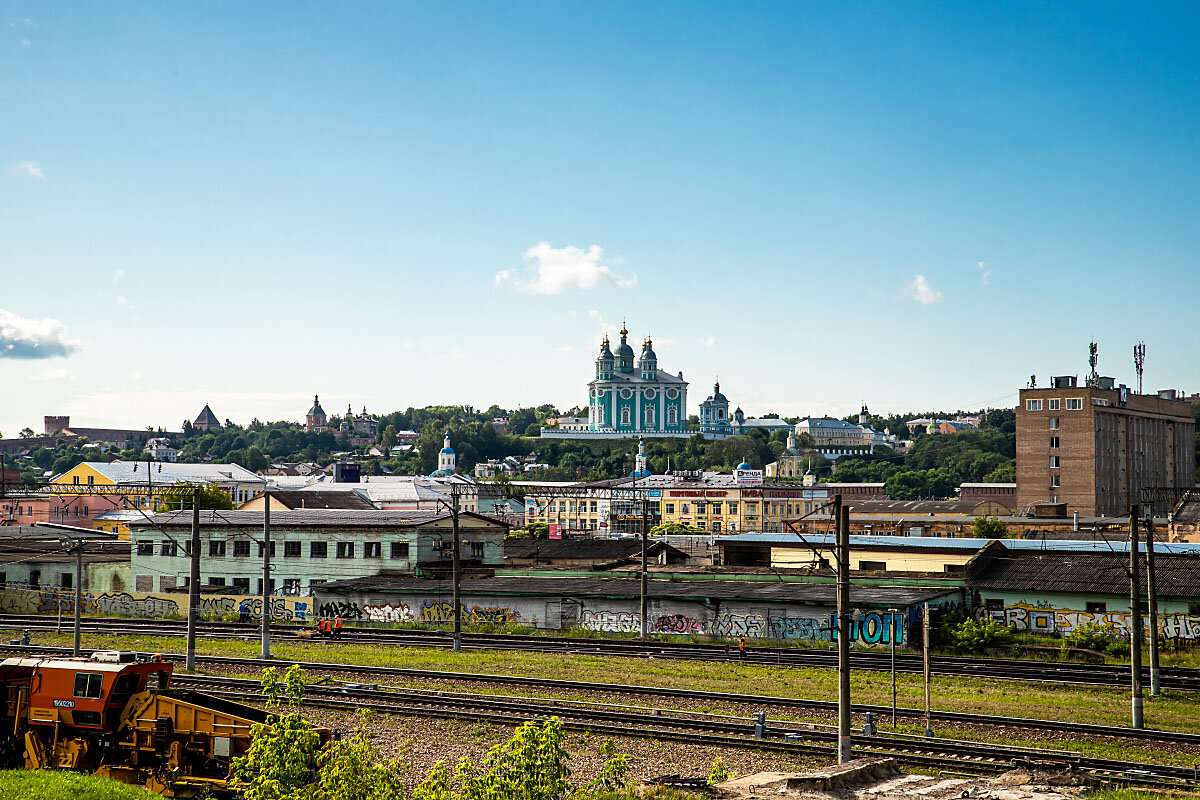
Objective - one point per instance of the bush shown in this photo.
(975, 636)
(1094, 636)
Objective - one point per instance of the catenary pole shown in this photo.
(892, 636)
(266, 578)
(1135, 621)
(456, 568)
(193, 582)
(643, 602)
(927, 668)
(842, 545)
(1152, 602)
(78, 592)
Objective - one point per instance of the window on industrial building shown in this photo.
(993, 604)
(260, 549)
(1052, 404)
(1193, 609)
(170, 549)
(270, 586)
(213, 580)
(241, 585)
(143, 583)
(166, 582)
(345, 549)
(1095, 608)
(216, 548)
(372, 549)
(1033, 405)
(291, 586)
(476, 549)
(66, 580)
(873, 566)
(241, 548)
(399, 549)
(318, 550)
(291, 549)
(1074, 403)
(954, 569)
(1054, 422)
(145, 548)
(1053, 442)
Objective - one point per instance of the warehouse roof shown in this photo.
(319, 499)
(599, 549)
(699, 590)
(934, 543)
(334, 518)
(1090, 573)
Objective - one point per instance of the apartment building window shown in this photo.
(1053, 462)
(241, 549)
(241, 585)
(701, 508)
(318, 550)
(1052, 405)
(732, 507)
(751, 508)
(260, 549)
(594, 508)
(1055, 481)
(291, 549)
(716, 507)
(683, 508)
(216, 548)
(1033, 405)
(670, 508)
(372, 549)
(345, 549)
(399, 549)
(1054, 423)
(170, 549)
(145, 548)
(476, 549)
(1074, 403)
(1053, 442)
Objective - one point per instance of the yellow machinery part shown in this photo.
(35, 751)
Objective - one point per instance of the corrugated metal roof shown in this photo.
(1087, 573)
(699, 590)
(134, 472)
(926, 542)
(334, 518)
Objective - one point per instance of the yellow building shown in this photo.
(133, 481)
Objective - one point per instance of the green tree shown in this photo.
(988, 528)
(26, 433)
(389, 438)
(977, 635)
(180, 497)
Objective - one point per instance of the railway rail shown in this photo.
(614, 719)
(753, 700)
(1172, 678)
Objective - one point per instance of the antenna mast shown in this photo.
(1139, 362)
(1093, 358)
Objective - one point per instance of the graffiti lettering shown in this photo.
(676, 623)
(388, 613)
(611, 621)
(340, 608)
(1039, 619)
(873, 628)
(752, 626)
(797, 628)
(441, 612)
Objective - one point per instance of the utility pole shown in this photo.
(78, 591)
(643, 604)
(1135, 620)
(193, 582)
(456, 568)
(1152, 601)
(892, 636)
(266, 579)
(928, 671)
(841, 516)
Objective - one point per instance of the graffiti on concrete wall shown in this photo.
(1042, 619)
(611, 621)
(873, 628)
(346, 609)
(752, 626)
(676, 623)
(388, 613)
(797, 628)
(441, 612)
(143, 604)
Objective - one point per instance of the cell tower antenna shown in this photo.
(1093, 359)
(1139, 362)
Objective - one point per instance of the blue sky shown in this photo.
(402, 204)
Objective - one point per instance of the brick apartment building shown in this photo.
(1095, 447)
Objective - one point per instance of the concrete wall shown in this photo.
(1054, 613)
(754, 620)
(151, 604)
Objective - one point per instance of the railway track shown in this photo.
(754, 700)
(944, 755)
(1173, 678)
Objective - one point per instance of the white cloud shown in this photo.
(33, 338)
(49, 374)
(565, 348)
(458, 354)
(985, 273)
(26, 43)
(123, 301)
(708, 341)
(31, 168)
(554, 270)
(117, 276)
(922, 292)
